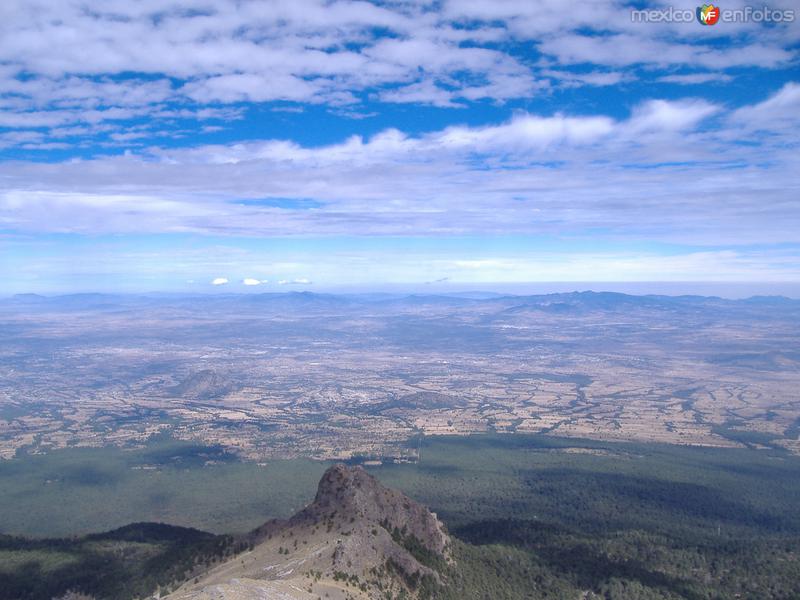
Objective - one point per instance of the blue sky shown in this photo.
(268, 146)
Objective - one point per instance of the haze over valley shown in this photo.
(364, 376)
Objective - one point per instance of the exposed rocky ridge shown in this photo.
(352, 492)
(357, 539)
(203, 385)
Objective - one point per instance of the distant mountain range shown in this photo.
(552, 302)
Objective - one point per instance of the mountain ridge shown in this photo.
(357, 539)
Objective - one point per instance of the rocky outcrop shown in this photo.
(357, 539)
(347, 492)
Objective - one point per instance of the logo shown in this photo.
(708, 14)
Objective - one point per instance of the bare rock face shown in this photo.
(347, 492)
(203, 385)
(357, 539)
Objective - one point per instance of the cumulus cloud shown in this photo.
(149, 79)
(189, 59)
(665, 115)
(219, 281)
(324, 52)
(525, 132)
(671, 170)
(780, 110)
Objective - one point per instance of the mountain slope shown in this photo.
(357, 539)
(203, 385)
(129, 562)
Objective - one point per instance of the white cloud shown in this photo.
(219, 281)
(483, 264)
(75, 63)
(665, 115)
(251, 281)
(524, 132)
(676, 170)
(670, 171)
(696, 78)
(83, 211)
(423, 92)
(625, 49)
(595, 78)
(778, 112)
(235, 53)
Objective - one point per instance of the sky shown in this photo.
(209, 146)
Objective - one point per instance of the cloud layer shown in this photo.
(684, 171)
(569, 141)
(134, 70)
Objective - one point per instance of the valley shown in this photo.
(339, 377)
(581, 445)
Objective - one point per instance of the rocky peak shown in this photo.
(374, 541)
(347, 493)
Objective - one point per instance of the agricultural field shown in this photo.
(327, 377)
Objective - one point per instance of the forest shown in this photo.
(532, 517)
